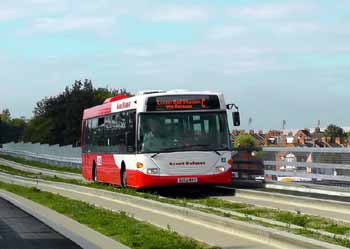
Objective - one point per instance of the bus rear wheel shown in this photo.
(123, 178)
(94, 173)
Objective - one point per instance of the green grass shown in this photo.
(118, 226)
(332, 240)
(41, 165)
(305, 221)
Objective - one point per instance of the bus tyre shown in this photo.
(123, 178)
(94, 173)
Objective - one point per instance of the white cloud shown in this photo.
(69, 23)
(138, 52)
(177, 14)
(300, 27)
(225, 32)
(271, 11)
(7, 14)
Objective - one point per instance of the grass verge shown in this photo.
(118, 226)
(40, 164)
(298, 219)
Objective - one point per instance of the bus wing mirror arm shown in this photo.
(235, 115)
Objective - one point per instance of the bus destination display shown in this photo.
(183, 102)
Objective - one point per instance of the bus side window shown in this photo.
(100, 133)
(94, 134)
(118, 132)
(130, 132)
(107, 133)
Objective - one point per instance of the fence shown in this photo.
(304, 164)
(52, 154)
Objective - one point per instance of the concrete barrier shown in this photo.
(51, 154)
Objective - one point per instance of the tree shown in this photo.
(57, 119)
(245, 142)
(11, 130)
(333, 131)
(347, 134)
(5, 116)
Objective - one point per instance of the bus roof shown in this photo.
(139, 102)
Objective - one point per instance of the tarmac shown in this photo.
(19, 230)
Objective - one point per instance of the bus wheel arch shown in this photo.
(123, 178)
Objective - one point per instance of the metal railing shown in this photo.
(304, 164)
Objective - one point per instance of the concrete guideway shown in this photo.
(312, 206)
(36, 170)
(80, 234)
(212, 229)
(20, 230)
(307, 205)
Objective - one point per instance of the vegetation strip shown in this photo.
(309, 224)
(268, 221)
(40, 164)
(118, 226)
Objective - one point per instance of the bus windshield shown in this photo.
(185, 131)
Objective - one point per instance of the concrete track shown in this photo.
(212, 229)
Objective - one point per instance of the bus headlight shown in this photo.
(220, 169)
(153, 171)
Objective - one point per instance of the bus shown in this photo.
(158, 138)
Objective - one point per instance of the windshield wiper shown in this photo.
(217, 152)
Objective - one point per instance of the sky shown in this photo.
(277, 60)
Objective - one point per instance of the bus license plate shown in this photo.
(187, 180)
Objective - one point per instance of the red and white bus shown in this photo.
(158, 138)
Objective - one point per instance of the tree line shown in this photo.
(11, 129)
(56, 119)
(247, 142)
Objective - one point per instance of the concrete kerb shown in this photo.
(73, 230)
(338, 206)
(225, 225)
(323, 190)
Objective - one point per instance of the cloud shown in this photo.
(270, 11)
(7, 14)
(177, 14)
(225, 32)
(138, 52)
(70, 23)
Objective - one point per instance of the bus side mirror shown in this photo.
(236, 119)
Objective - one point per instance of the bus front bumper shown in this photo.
(138, 179)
